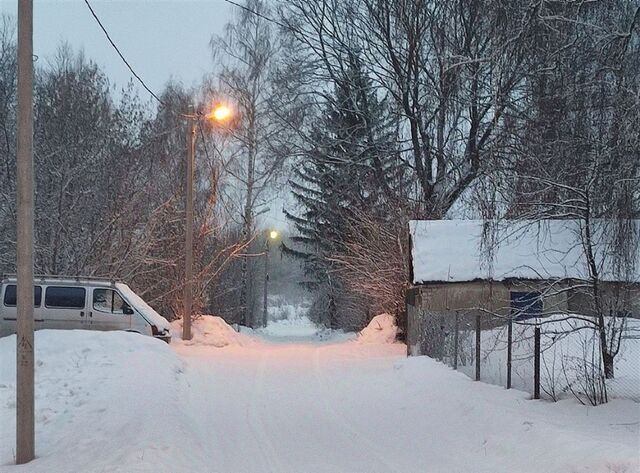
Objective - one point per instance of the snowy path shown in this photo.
(279, 412)
(130, 406)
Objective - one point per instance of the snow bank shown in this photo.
(209, 330)
(381, 329)
(102, 398)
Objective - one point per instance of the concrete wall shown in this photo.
(484, 296)
(614, 297)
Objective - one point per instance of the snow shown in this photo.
(145, 309)
(298, 327)
(381, 329)
(209, 330)
(450, 250)
(120, 402)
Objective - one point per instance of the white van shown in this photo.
(83, 303)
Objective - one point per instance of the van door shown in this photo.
(64, 307)
(107, 311)
(9, 310)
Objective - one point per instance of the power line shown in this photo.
(104, 30)
(206, 150)
(261, 15)
(135, 74)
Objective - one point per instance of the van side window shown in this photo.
(108, 300)
(10, 296)
(65, 297)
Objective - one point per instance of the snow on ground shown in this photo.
(300, 326)
(118, 402)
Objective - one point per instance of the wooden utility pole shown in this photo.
(25, 431)
(266, 282)
(188, 244)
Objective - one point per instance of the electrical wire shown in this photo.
(104, 30)
(261, 15)
(135, 74)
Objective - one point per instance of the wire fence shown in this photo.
(551, 358)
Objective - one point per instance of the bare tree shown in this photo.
(247, 54)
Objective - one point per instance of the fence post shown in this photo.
(455, 341)
(478, 347)
(509, 344)
(536, 364)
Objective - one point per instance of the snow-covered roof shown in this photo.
(452, 250)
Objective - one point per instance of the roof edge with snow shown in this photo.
(455, 251)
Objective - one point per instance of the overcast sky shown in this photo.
(161, 39)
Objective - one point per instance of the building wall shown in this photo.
(485, 296)
(469, 299)
(615, 298)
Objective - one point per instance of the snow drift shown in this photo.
(381, 329)
(209, 330)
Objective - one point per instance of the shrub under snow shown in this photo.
(381, 329)
(209, 330)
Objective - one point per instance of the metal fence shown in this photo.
(548, 358)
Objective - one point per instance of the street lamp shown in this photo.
(272, 235)
(220, 114)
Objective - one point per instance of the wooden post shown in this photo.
(25, 424)
(455, 341)
(536, 364)
(188, 243)
(478, 347)
(509, 352)
(266, 281)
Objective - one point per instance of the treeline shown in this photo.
(372, 112)
(109, 180)
(423, 109)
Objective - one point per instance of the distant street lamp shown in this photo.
(273, 235)
(220, 114)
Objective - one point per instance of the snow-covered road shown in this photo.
(114, 402)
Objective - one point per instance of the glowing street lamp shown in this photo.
(273, 235)
(219, 114)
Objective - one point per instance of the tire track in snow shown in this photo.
(256, 422)
(196, 375)
(356, 436)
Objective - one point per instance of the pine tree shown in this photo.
(350, 168)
